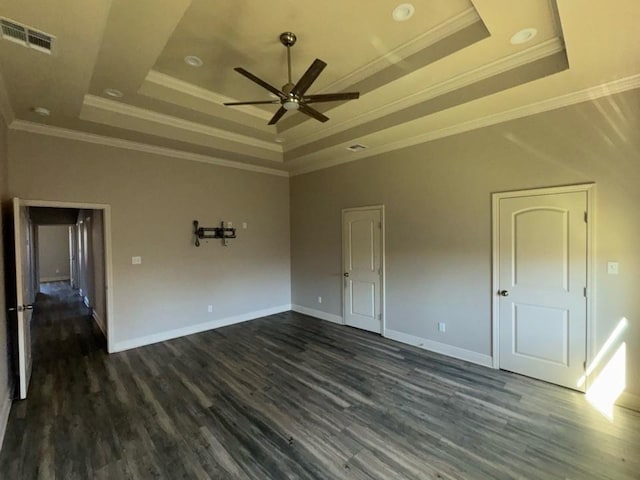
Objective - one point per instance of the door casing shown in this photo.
(108, 268)
(382, 263)
(590, 190)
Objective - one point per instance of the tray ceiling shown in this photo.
(449, 67)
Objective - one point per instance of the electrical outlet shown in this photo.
(244, 225)
(210, 308)
(319, 299)
(442, 327)
(136, 260)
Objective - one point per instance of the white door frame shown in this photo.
(590, 190)
(383, 283)
(108, 269)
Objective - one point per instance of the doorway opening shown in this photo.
(63, 274)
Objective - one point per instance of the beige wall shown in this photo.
(154, 200)
(53, 252)
(438, 219)
(5, 365)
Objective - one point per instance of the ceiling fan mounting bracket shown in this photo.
(288, 39)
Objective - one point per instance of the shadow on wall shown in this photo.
(607, 372)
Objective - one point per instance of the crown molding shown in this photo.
(190, 89)
(441, 31)
(501, 65)
(175, 122)
(5, 104)
(587, 94)
(37, 128)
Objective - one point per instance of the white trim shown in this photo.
(442, 348)
(589, 190)
(192, 90)
(398, 54)
(592, 93)
(175, 122)
(5, 104)
(41, 129)
(86, 302)
(55, 279)
(629, 400)
(312, 312)
(5, 410)
(108, 254)
(501, 65)
(383, 304)
(200, 327)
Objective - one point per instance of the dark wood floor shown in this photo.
(291, 397)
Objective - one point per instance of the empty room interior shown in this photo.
(320, 240)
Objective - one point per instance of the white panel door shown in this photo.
(543, 277)
(362, 255)
(24, 292)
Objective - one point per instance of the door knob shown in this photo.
(504, 293)
(346, 274)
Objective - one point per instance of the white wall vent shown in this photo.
(26, 36)
(356, 147)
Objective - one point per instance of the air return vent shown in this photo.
(26, 36)
(356, 147)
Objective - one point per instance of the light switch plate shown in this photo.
(136, 260)
(612, 268)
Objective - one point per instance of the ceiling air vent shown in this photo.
(356, 147)
(26, 36)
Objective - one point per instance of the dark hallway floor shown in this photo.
(292, 397)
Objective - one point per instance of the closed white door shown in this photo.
(362, 269)
(24, 292)
(542, 286)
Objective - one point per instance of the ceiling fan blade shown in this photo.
(313, 113)
(281, 111)
(331, 97)
(260, 82)
(257, 102)
(309, 77)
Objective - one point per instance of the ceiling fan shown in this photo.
(293, 97)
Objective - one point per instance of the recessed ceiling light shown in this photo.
(43, 112)
(113, 92)
(403, 12)
(279, 140)
(523, 36)
(193, 61)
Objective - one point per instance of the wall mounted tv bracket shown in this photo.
(222, 232)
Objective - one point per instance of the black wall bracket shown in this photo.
(222, 232)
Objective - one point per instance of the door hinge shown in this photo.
(584, 290)
(379, 316)
(584, 365)
(586, 217)
(379, 224)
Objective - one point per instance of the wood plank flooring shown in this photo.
(292, 397)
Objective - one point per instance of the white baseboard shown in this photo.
(5, 408)
(443, 348)
(98, 321)
(312, 312)
(629, 400)
(54, 279)
(86, 301)
(200, 327)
